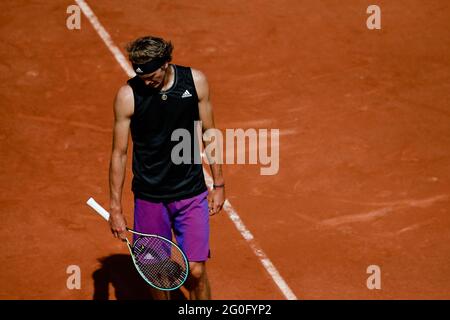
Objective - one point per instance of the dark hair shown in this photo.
(145, 49)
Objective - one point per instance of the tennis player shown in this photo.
(160, 99)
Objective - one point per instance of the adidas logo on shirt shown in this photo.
(186, 94)
(138, 70)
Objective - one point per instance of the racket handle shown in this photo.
(98, 208)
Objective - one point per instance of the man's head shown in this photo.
(150, 57)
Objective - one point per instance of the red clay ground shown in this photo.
(365, 158)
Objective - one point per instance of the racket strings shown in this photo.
(162, 270)
(160, 262)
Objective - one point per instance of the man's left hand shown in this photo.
(216, 198)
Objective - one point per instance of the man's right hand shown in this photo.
(118, 224)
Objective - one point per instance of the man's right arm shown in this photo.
(123, 110)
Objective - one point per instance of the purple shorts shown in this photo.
(188, 218)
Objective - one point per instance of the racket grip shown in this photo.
(98, 208)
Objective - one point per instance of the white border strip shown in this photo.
(232, 214)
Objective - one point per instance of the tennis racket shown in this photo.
(160, 262)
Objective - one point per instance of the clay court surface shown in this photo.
(364, 147)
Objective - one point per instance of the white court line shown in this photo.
(106, 38)
(232, 214)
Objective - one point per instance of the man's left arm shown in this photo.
(217, 195)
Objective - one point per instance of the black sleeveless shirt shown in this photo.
(155, 176)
